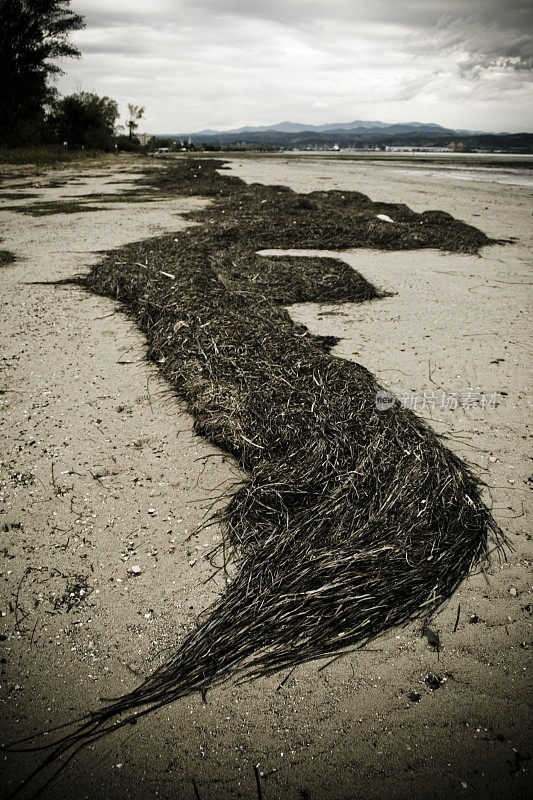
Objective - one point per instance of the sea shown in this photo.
(503, 168)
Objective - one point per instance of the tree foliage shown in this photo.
(33, 35)
(135, 112)
(85, 120)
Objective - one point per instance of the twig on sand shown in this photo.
(258, 782)
(430, 376)
(148, 393)
(285, 679)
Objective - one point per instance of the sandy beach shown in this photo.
(103, 481)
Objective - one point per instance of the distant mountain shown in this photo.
(357, 126)
(298, 127)
(358, 134)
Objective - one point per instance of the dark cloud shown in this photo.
(489, 44)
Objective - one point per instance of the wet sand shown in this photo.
(101, 473)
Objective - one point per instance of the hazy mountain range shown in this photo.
(357, 126)
(367, 134)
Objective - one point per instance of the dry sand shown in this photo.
(101, 473)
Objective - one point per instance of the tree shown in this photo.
(85, 120)
(127, 145)
(33, 34)
(157, 141)
(136, 112)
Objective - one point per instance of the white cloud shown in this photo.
(223, 63)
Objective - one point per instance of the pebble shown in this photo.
(135, 570)
(512, 591)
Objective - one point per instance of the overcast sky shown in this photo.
(198, 64)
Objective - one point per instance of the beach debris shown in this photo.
(457, 618)
(432, 637)
(353, 520)
(434, 682)
(7, 258)
(384, 217)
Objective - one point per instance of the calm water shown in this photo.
(509, 169)
(473, 174)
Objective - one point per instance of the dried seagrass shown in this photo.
(353, 520)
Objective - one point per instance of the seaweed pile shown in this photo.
(7, 258)
(354, 519)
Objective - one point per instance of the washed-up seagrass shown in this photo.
(353, 520)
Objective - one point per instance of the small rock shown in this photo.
(135, 570)
(414, 697)
(434, 682)
(512, 591)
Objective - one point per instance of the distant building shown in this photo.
(143, 138)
